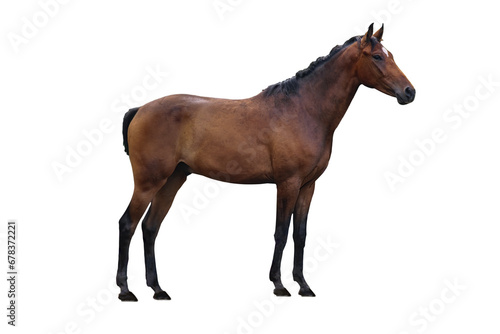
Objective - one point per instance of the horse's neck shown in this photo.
(331, 91)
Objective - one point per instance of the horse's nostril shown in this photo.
(410, 92)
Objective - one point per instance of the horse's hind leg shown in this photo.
(151, 224)
(128, 222)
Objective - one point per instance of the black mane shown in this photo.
(290, 86)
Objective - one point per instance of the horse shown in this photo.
(291, 124)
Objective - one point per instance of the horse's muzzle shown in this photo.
(407, 96)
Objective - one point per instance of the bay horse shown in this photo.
(290, 125)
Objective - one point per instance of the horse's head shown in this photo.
(376, 68)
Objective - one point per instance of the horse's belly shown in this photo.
(237, 177)
(232, 163)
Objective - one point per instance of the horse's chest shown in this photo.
(316, 161)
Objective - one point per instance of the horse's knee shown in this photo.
(126, 225)
(149, 231)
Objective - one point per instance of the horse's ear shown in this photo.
(366, 38)
(379, 33)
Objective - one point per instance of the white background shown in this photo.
(397, 248)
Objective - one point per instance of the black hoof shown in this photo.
(282, 292)
(162, 295)
(306, 292)
(127, 297)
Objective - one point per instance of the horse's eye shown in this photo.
(377, 57)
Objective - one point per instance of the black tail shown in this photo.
(129, 115)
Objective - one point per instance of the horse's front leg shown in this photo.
(299, 237)
(287, 196)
